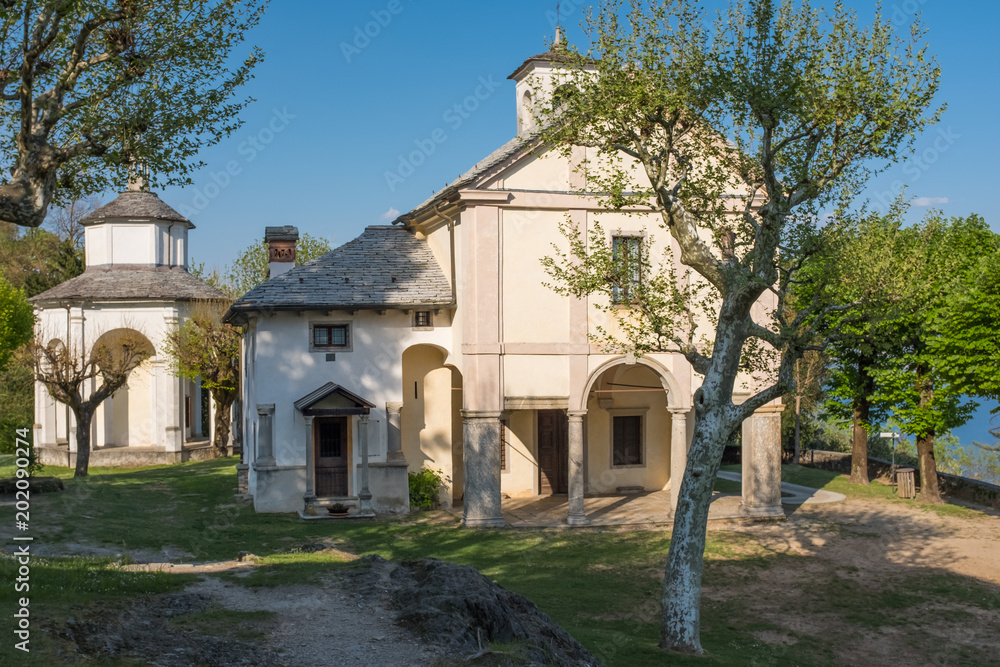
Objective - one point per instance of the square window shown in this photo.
(330, 337)
(626, 252)
(627, 440)
(422, 319)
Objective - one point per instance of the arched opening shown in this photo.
(431, 418)
(126, 418)
(527, 115)
(628, 430)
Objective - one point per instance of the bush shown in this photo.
(424, 488)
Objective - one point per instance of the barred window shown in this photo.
(331, 335)
(627, 440)
(626, 253)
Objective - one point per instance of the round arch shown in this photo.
(675, 400)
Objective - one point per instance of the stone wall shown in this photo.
(953, 486)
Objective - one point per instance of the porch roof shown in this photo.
(344, 402)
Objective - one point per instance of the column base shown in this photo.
(483, 523)
(395, 457)
(577, 520)
(766, 512)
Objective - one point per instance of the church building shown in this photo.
(433, 343)
(136, 280)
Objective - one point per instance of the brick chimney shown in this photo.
(280, 249)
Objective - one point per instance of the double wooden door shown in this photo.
(331, 457)
(553, 451)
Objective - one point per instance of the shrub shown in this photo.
(424, 488)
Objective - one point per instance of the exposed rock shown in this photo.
(455, 605)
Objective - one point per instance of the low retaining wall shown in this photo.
(973, 490)
(124, 457)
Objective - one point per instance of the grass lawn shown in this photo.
(602, 585)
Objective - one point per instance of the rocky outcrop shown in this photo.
(455, 605)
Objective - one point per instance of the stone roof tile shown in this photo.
(130, 283)
(135, 204)
(385, 267)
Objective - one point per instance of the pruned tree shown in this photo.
(740, 138)
(67, 370)
(203, 346)
(91, 88)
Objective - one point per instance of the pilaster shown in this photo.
(762, 464)
(481, 439)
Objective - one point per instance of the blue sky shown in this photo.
(337, 108)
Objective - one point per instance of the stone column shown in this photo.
(365, 495)
(394, 446)
(481, 442)
(762, 464)
(576, 515)
(678, 453)
(265, 435)
(310, 496)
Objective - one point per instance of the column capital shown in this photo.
(481, 414)
(265, 409)
(679, 412)
(364, 418)
(394, 407)
(308, 418)
(576, 415)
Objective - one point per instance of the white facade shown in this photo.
(135, 280)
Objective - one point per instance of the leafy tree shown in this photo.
(65, 222)
(202, 346)
(67, 371)
(862, 344)
(90, 88)
(250, 268)
(16, 320)
(916, 383)
(786, 107)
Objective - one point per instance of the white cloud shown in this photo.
(391, 214)
(929, 201)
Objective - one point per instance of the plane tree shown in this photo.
(786, 107)
(91, 88)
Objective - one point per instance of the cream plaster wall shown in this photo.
(536, 375)
(521, 477)
(531, 312)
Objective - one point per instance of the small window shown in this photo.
(626, 253)
(422, 319)
(627, 440)
(327, 337)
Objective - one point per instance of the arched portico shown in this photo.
(634, 415)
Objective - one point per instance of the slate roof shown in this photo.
(385, 267)
(133, 205)
(130, 283)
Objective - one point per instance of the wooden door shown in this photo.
(553, 451)
(331, 457)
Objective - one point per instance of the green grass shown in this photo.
(602, 585)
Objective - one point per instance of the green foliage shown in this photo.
(17, 399)
(915, 382)
(425, 487)
(250, 268)
(17, 319)
(108, 85)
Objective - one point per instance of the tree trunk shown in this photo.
(929, 490)
(859, 442)
(83, 418)
(860, 416)
(680, 625)
(223, 417)
(798, 422)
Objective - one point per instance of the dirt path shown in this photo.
(857, 551)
